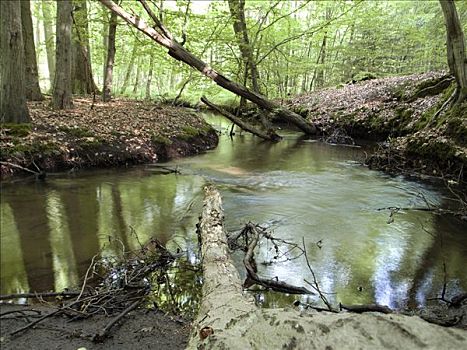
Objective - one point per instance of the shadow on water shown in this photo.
(299, 188)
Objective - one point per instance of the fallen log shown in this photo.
(271, 135)
(229, 319)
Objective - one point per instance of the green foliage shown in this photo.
(15, 130)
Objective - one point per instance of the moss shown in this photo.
(161, 140)
(18, 130)
(76, 131)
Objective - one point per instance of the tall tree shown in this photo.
(109, 65)
(13, 108)
(129, 68)
(49, 39)
(455, 44)
(149, 79)
(62, 83)
(33, 91)
(83, 81)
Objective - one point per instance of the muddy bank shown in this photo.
(398, 112)
(142, 329)
(119, 133)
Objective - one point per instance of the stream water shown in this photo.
(298, 188)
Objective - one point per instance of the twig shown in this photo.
(103, 334)
(86, 277)
(315, 284)
(366, 308)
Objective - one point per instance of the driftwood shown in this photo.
(271, 135)
(163, 37)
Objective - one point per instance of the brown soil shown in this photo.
(398, 111)
(121, 132)
(141, 329)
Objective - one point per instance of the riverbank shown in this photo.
(398, 112)
(96, 134)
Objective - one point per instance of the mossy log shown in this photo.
(229, 319)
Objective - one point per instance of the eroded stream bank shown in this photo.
(298, 188)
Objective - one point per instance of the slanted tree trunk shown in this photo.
(49, 40)
(62, 98)
(13, 108)
(33, 91)
(82, 79)
(455, 44)
(163, 37)
(109, 66)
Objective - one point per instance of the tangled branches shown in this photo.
(114, 288)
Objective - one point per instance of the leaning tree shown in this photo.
(160, 34)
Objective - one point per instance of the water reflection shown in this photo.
(298, 188)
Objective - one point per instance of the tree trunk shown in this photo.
(49, 40)
(164, 38)
(62, 83)
(83, 82)
(137, 76)
(109, 66)
(129, 69)
(149, 79)
(13, 94)
(33, 91)
(237, 10)
(455, 43)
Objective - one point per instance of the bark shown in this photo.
(13, 108)
(455, 44)
(149, 79)
(109, 66)
(164, 38)
(237, 10)
(33, 91)
(129, 69)
(49, 40)
(83, 81)
(62, 98)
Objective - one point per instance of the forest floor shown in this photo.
(121, 132)
(399, 112)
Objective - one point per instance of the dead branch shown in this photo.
(38, 295)
(248, 261)
(366, 308)
(104, 333)
(270, 135)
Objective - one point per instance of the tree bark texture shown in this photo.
(237, 10)
(83, 81)
(164, 38)
(13, 93)
(62, 98)
(129, 69)
(109, 66)
(33, 91)
(49, 40)
(455, 44)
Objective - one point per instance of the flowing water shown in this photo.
(298, 188)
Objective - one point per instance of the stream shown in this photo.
(298, 188)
